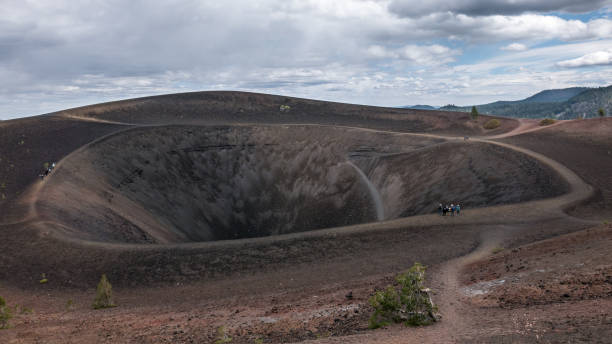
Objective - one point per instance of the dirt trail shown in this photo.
(93, 119)
(532, 210)
(525, 126)
(444, 278)
(455, 313)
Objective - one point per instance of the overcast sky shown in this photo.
(58, 54)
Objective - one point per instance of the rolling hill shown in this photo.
(569, 103)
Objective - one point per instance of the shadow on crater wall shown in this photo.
(190, 183)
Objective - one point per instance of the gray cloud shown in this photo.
(410, 8)
(66, 53)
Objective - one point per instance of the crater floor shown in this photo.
(176, 184)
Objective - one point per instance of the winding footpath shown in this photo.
(449, 295)
(498, 223)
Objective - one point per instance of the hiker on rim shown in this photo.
(440, 209)
(452, 209)
(458, 209)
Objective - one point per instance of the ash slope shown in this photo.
(224, 107)
(26, 143)
(174, 184)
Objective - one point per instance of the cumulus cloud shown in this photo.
(425, 55)
(409, 8)
(503, 28)
(598, 58)
(514, 47)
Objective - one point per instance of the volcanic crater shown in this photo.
(190, 183)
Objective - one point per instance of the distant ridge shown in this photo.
(555, 96)
(567, 103)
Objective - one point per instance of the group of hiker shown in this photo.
(453, 209)
(47, 171)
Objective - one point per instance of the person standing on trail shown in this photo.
(458, 209)
(440, 209)
(452, 209)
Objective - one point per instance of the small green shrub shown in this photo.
(104, 294)
(497, 250)
(285, 108)
(547, 121)
(43, 278)
(407, 303)
(25, 310)
(474, 113)
(69, 305)
(492, 124)
(5, 314)
(222, 337)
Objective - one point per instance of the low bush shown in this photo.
(104, 294)
(408, 302)
(547, 121)
(222, 337)
(492, 124)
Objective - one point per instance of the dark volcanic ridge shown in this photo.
(177, 184)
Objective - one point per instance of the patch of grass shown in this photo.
(69, 305)
(497, 250)
(6, 314)
(222, 337)
(408, 302)
(26, 310)
(491, 124)
(104, 294)
(43, 279)
(605, 222)
(547, 121)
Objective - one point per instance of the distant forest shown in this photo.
(569, 103)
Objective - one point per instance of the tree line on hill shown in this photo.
(568, 103)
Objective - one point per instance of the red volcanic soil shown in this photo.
(554, 289)
(527, 260)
